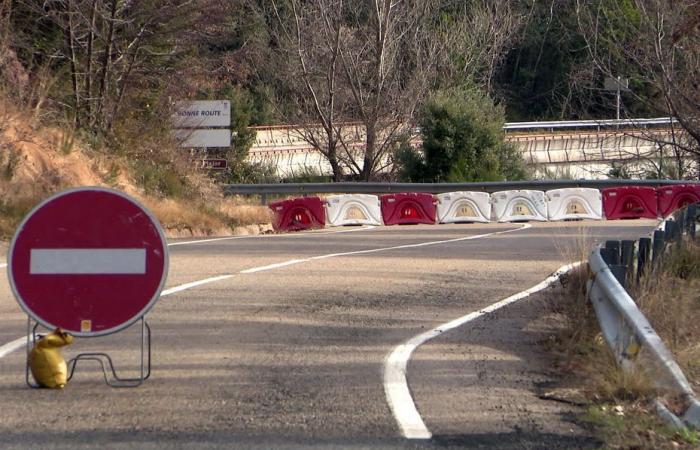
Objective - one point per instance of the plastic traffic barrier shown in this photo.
(408, 208)
(521, 205)
(46, 362)
(298, 214)
(353, 209)
(574, 203)
(630, 202)
(455, 207)
(676, 197)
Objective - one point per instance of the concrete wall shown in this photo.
(574, 154)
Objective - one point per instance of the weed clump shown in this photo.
(618, 400)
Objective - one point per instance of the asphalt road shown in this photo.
(287, 351)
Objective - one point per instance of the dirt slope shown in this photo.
(37, 161)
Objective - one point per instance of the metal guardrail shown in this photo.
(625, 328)
(589, 124)
(433, 188)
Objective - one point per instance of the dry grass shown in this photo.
(179, 216)
(618, 399)
(618, 410)
(205, 218)
(636, 426)
(12, 211)
(583, 352)
(240, 214)
(36, 161)
(670, 298)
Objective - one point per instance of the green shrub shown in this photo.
(463, 140)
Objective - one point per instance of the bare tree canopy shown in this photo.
(654, 41)
(374, 62)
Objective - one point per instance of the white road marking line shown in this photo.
(3, 265)
(375, 250)
(421, 244)
(396, 388)
(20, 342)
(274, 266)
(184, 287)
(193, 284)
(12, 346)
(87, 261)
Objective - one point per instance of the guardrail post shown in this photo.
(607, 255)
(659, 245)
(263, 199)
(627, 256)
(643, 256)
(671, 231)
(691, 214)
(683, 220)
(614, 248)
(620, 273)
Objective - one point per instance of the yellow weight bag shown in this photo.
(46, 362)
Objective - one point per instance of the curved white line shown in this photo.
(396, 388)
(524, 226)
(193, 284)
(184, 287)
(12, 346)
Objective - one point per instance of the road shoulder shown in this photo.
(486, 383)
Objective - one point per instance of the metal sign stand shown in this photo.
(104, 359)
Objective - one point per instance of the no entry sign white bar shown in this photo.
(80, 261)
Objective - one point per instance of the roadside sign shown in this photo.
(212, 164)
(204, 138)
(202, 114)
(91, 261)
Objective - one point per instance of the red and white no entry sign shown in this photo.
(90, 260)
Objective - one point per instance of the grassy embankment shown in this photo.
(38, 159)
(617, 402)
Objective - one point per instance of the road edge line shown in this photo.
(192, 284)
(396, 388)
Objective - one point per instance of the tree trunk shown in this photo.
(105, 63)
(370, 147)
(70, 41)
(88, 62)
(333, 156)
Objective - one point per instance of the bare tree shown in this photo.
(483, 33)
(653, 38)
(107, 45)
(390, 58)
(374, 62)
(309, 36)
